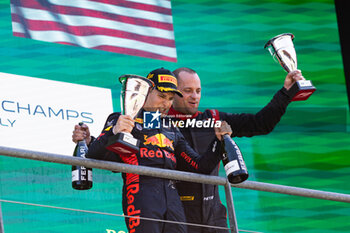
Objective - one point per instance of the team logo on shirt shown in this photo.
(159, 140)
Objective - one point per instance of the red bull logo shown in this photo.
(159, 153)
(160, 140)
(132, 188)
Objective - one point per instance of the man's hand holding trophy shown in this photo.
(134, 92)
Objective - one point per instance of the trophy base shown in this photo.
(303, 90)
(123, 144)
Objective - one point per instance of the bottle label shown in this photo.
(89, 175)
(82, 150)
(231, 167)
(75, 175)
(83, 175)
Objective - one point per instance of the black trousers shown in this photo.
(213, 213)
(152, 198)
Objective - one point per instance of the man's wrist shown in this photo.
(289, 93)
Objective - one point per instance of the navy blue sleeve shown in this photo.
(97, 148)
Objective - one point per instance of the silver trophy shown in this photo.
(133, 96)
(282, 48)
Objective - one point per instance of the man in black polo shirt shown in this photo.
(201, 201)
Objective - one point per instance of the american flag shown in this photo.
(134, 27)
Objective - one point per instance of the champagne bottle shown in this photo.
(235, 168)
(81, 176)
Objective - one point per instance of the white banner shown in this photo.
(39, 114)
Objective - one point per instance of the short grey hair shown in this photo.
(185, 69)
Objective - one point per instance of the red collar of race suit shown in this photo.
(172, 112)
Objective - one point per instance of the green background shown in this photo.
(223, 41)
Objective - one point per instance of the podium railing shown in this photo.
(174, 175)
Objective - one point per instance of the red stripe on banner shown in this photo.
(135, 52)
(136, 5)
(95, 14)
(19, 34)
(38, 25)
(67, 43)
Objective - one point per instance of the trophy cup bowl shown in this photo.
(133, 96)
(281, 47)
